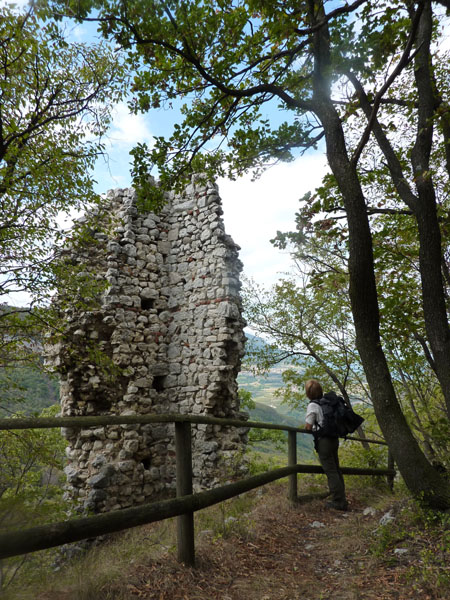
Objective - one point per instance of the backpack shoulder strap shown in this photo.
(316, 401)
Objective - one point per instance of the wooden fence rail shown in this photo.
(84, 422)
(14, 543)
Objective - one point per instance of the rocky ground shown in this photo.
(281, 552)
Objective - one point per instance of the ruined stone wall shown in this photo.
(170, 320)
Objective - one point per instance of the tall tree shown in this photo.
(319, 62)
(308, 317)
(55, 101)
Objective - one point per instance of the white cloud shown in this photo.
(14, 4)
(254, 211)
(127, 129)
(125, 132)
(444, 22)
(79, 33)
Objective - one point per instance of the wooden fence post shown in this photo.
(292, 461)
(185, 523)
(390, 465)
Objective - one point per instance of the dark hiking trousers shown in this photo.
(327, 449)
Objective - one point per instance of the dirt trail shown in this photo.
(306, 552)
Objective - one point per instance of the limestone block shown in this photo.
(149, 222)
(103, 478)
(113, 248)
(72, 474)
(160, 369)
(99, 461)
(143, 382)
(143, 238)
(130, 250)
(173, 234)
(154, 473)
(205, 235)
(171, 381)
(185, 206)
(149, 293)
(99, 433)
(94, 496)
(71, 453)
(126, 465)
(228, 310)
(203, 379)
(173, 352)
(94, 381)
(131, 445)
(174, 278)
(206, 447)
(124, 455)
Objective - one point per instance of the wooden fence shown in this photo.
(14, 543)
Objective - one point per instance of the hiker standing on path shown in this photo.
(326, 446)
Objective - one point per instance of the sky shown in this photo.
(253, 210)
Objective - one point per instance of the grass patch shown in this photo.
(98, 572)
(232, 517)
(422, 537)
(90, 575)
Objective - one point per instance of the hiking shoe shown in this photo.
(337, 506)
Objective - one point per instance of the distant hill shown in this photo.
(255, 342)
(269, 408)
(26, 390)
(268, 414)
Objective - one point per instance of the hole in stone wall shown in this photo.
(147, 303)
(232, 350)
(146, 462)
(158, 382)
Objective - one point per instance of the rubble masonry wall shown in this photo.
(169, 319)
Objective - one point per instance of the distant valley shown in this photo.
(37, 391)
(269, 407)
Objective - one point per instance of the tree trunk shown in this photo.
(435, 313)
(425, 209)
(420, 477)
(423, 204)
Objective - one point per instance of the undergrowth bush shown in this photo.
(31, 491)
(231, 517)
(98, 573)
(91, 574)
(423, 534)
(353, 454)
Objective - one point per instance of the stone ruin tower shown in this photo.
(170, 319)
